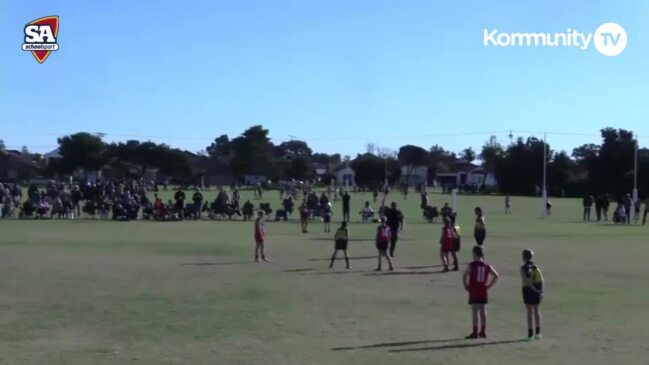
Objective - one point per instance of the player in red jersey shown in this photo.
(478, 278)
(260, 237)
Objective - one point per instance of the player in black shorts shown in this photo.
(532, 294)
(341, 239)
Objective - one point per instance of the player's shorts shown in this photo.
(531, 297)
(478, 300)
(341, 244)
(447, 246)
(259, 240)
(327, 218)
(382, 245)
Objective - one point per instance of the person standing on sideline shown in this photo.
(260, 237)
(606, 202)
(480, 230)
(447, 245)
(346, 199)
(588, 205)
(598, 207)
(646, 210)
(532, 294)
(382, 242)
(197, 198)
(508, 204)
(395, 222)
(326, 216)
(341, 239)
(305, 213)
(476, 281)
(628, 203)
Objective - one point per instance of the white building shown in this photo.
(463, 173)
(414, 175)
(345, 176)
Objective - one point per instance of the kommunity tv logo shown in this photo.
(609, 39)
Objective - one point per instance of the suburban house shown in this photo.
(52, 155)
(414, 175)
(463, 173)
(15, 165)
(319, 169)
(345, 175)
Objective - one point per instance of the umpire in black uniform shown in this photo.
(395, 222)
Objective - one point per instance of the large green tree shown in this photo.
(412, 156)
(81, 151)
(252, 152)
(490, 155)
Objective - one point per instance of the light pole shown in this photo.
(635, 171)
(545, 168)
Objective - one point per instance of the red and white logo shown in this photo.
(40, 37)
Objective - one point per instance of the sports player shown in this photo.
(532, 294)
(260, 237)
(341, 239)
(480, 230)
(447, 244)
(382, 242)
(477, 279)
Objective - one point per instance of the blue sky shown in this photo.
(339, 74)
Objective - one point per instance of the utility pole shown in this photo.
(545, 168)
(635, 171)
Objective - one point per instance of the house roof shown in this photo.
(462, 166)
(53, 154)
(16, 160)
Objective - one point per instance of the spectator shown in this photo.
(646, 210)
(627, 202)
(588, 204)
(180, 203)
(346, 201)
(76, 197)
(197, 198)
(605, 204)
(367, 212)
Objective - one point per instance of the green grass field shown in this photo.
(90, 292)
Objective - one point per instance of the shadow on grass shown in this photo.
(335, 272)
(393, 344)
(421, 267)
(387, 273)
(459, 346)
(340, 257)
(298, 270)
(328, 239)
(218, 263)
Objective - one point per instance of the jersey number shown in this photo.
(482, 275)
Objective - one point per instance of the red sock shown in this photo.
(475, 330)
(483, 330)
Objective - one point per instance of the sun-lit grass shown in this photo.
(89, 292)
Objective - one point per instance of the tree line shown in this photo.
(518, 167)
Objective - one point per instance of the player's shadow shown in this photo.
(216, 263)
(421, 267)
(340, 257)
(299, 270)
(394, 344)
(396, 273)
(459, 346)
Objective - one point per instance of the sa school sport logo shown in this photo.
(40, 37)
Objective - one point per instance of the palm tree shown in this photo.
(468, 154)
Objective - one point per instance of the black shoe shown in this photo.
(455, 268)
(482, 335)
(472, 336)
(445, 269)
